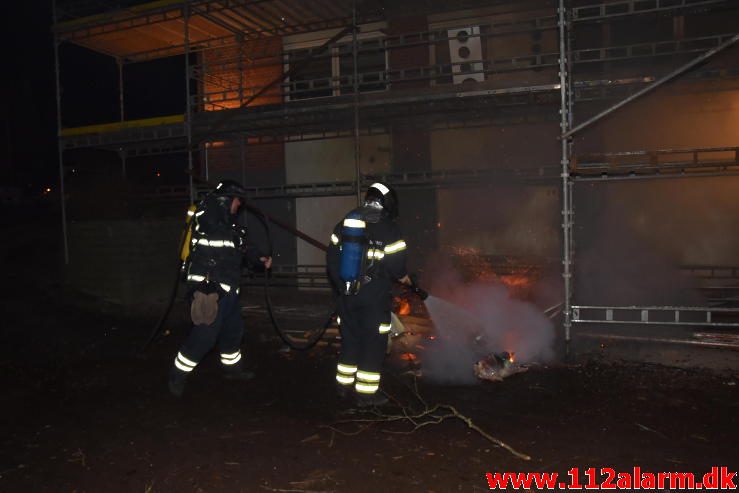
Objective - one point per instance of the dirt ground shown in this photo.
(83, 410)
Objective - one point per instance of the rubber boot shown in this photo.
(237, 372)
(344, 391)
(177, 381)
(370, 400)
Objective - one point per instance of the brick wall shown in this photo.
(252, 65)
(411, 150)
(411, 57)
(418, 208)
(234, 74)
(262, 164)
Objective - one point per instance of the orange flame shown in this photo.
(475, 266)
(408, 357)
(404, 308)
(515, 281)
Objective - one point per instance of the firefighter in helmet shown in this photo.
(218, 247)
(366, 255)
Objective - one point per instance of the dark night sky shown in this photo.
(28, 153)
(29, 114)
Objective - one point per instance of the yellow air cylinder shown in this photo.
(185, 252)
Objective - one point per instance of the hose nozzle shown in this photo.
(419, 292)
(413, 286)
(416, 290)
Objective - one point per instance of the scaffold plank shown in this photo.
(667, 162)
(120, 126)
(242, 13)
(603, 11)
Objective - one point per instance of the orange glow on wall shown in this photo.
(233, 86)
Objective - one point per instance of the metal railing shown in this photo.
(286, 275)
(690, 316)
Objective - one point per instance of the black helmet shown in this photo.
(229, 188)
(384, 196)
(226, 191)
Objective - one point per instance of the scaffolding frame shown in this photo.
(268, 124)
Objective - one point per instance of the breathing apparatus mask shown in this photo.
(224, 194)
(381, 196)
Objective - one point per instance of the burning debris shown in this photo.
(518, 275)
(408, 357)
(456, 335)
(467, 353)
(407, 339)
(401, 306)
(497, 366)
(408, 347)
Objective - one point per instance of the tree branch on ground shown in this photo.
(428, 415)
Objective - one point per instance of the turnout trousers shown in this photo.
(365, 325)
(226, 331)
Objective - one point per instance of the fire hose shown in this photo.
(313, 339)
(265, 219)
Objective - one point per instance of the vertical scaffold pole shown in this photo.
(119, 62)
(188, 102)
(242, 156)
(566, 188)
(569, 36)
(121, 151)
(60, 150)
(355, 87)
(570, 143)
(206, 158)
(241, 71)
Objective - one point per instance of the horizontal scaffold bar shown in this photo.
(730, 343)
(690, 316)
(120, 126)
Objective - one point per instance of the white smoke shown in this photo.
(475, 319)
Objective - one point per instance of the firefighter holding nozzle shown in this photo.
(366, 255)
(218, 247)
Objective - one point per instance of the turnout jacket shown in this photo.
(386, 254)
(217, 247)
